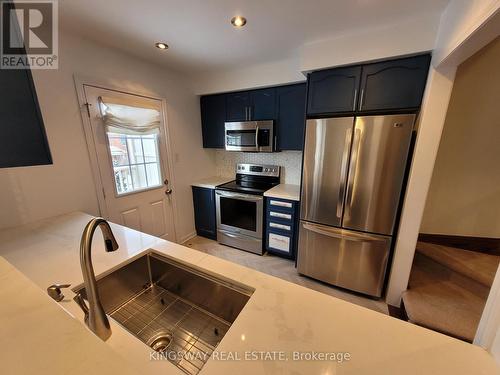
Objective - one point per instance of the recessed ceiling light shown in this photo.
(161, 45)
(238, 21)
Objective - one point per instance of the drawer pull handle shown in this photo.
(280, 215)
(280, 204)
(280, 226)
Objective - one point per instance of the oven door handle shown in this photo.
(251, 198)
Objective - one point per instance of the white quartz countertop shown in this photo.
(284, 191)
(276, 333)
(38, 337)
(212, 182)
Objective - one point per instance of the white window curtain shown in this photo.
(128, 117)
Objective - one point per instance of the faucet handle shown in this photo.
(55, 291)
(81, 302)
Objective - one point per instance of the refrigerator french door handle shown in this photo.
(352, 171)
(343, 171)
(342, 234)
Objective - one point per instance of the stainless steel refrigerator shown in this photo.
(352, 181)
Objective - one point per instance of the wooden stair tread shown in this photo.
(477, 266)
(443, 300)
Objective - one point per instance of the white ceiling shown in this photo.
(202, 39)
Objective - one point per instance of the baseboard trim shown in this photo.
(187, 237)
(479, 244)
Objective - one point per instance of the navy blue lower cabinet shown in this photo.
(281, 227)
(204, 212)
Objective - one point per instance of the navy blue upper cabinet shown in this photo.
(237, 106)
(395, 84)
(333, 90)
(213, 117)
(291, 106)
(23, 141)
(263, 104)
(251, 105)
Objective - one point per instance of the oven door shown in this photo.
(251, 136)
(239, 213)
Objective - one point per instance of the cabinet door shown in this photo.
(213, 116)
(204, 212)
(396, 84)
(333, 91)
(23, 141)
(291, 102)
(237, 106)
(263, 105)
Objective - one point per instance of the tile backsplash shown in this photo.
(289, 161)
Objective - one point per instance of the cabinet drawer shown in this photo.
(278, 203)
(280, 215)
(284, 227)
(279, 242)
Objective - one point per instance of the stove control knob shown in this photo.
(266, 170)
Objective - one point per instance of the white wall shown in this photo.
(464, 196)
(31, 193)
(260, 75)
(401, 38)
(459, 21)
(404, 37)
(488, 332)
(433, 113)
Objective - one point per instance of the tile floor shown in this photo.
(279, 267)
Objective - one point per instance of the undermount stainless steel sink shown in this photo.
(180, 312)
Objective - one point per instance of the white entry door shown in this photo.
(132, 164)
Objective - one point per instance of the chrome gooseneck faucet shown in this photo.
(95, 317)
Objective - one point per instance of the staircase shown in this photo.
(448, 289)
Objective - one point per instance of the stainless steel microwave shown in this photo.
(253, 136)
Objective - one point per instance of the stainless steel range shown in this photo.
(240, 206)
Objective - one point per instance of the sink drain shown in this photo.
(160, 341)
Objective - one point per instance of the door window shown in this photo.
(136, 162)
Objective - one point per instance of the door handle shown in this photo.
(355, 98)
(342, 234)
(343, 171)
(168, 191)
(352, 170)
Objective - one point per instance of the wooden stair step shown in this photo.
(475, 265)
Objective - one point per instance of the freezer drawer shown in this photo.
(352, 260)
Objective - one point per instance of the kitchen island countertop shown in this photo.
(281, 330)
